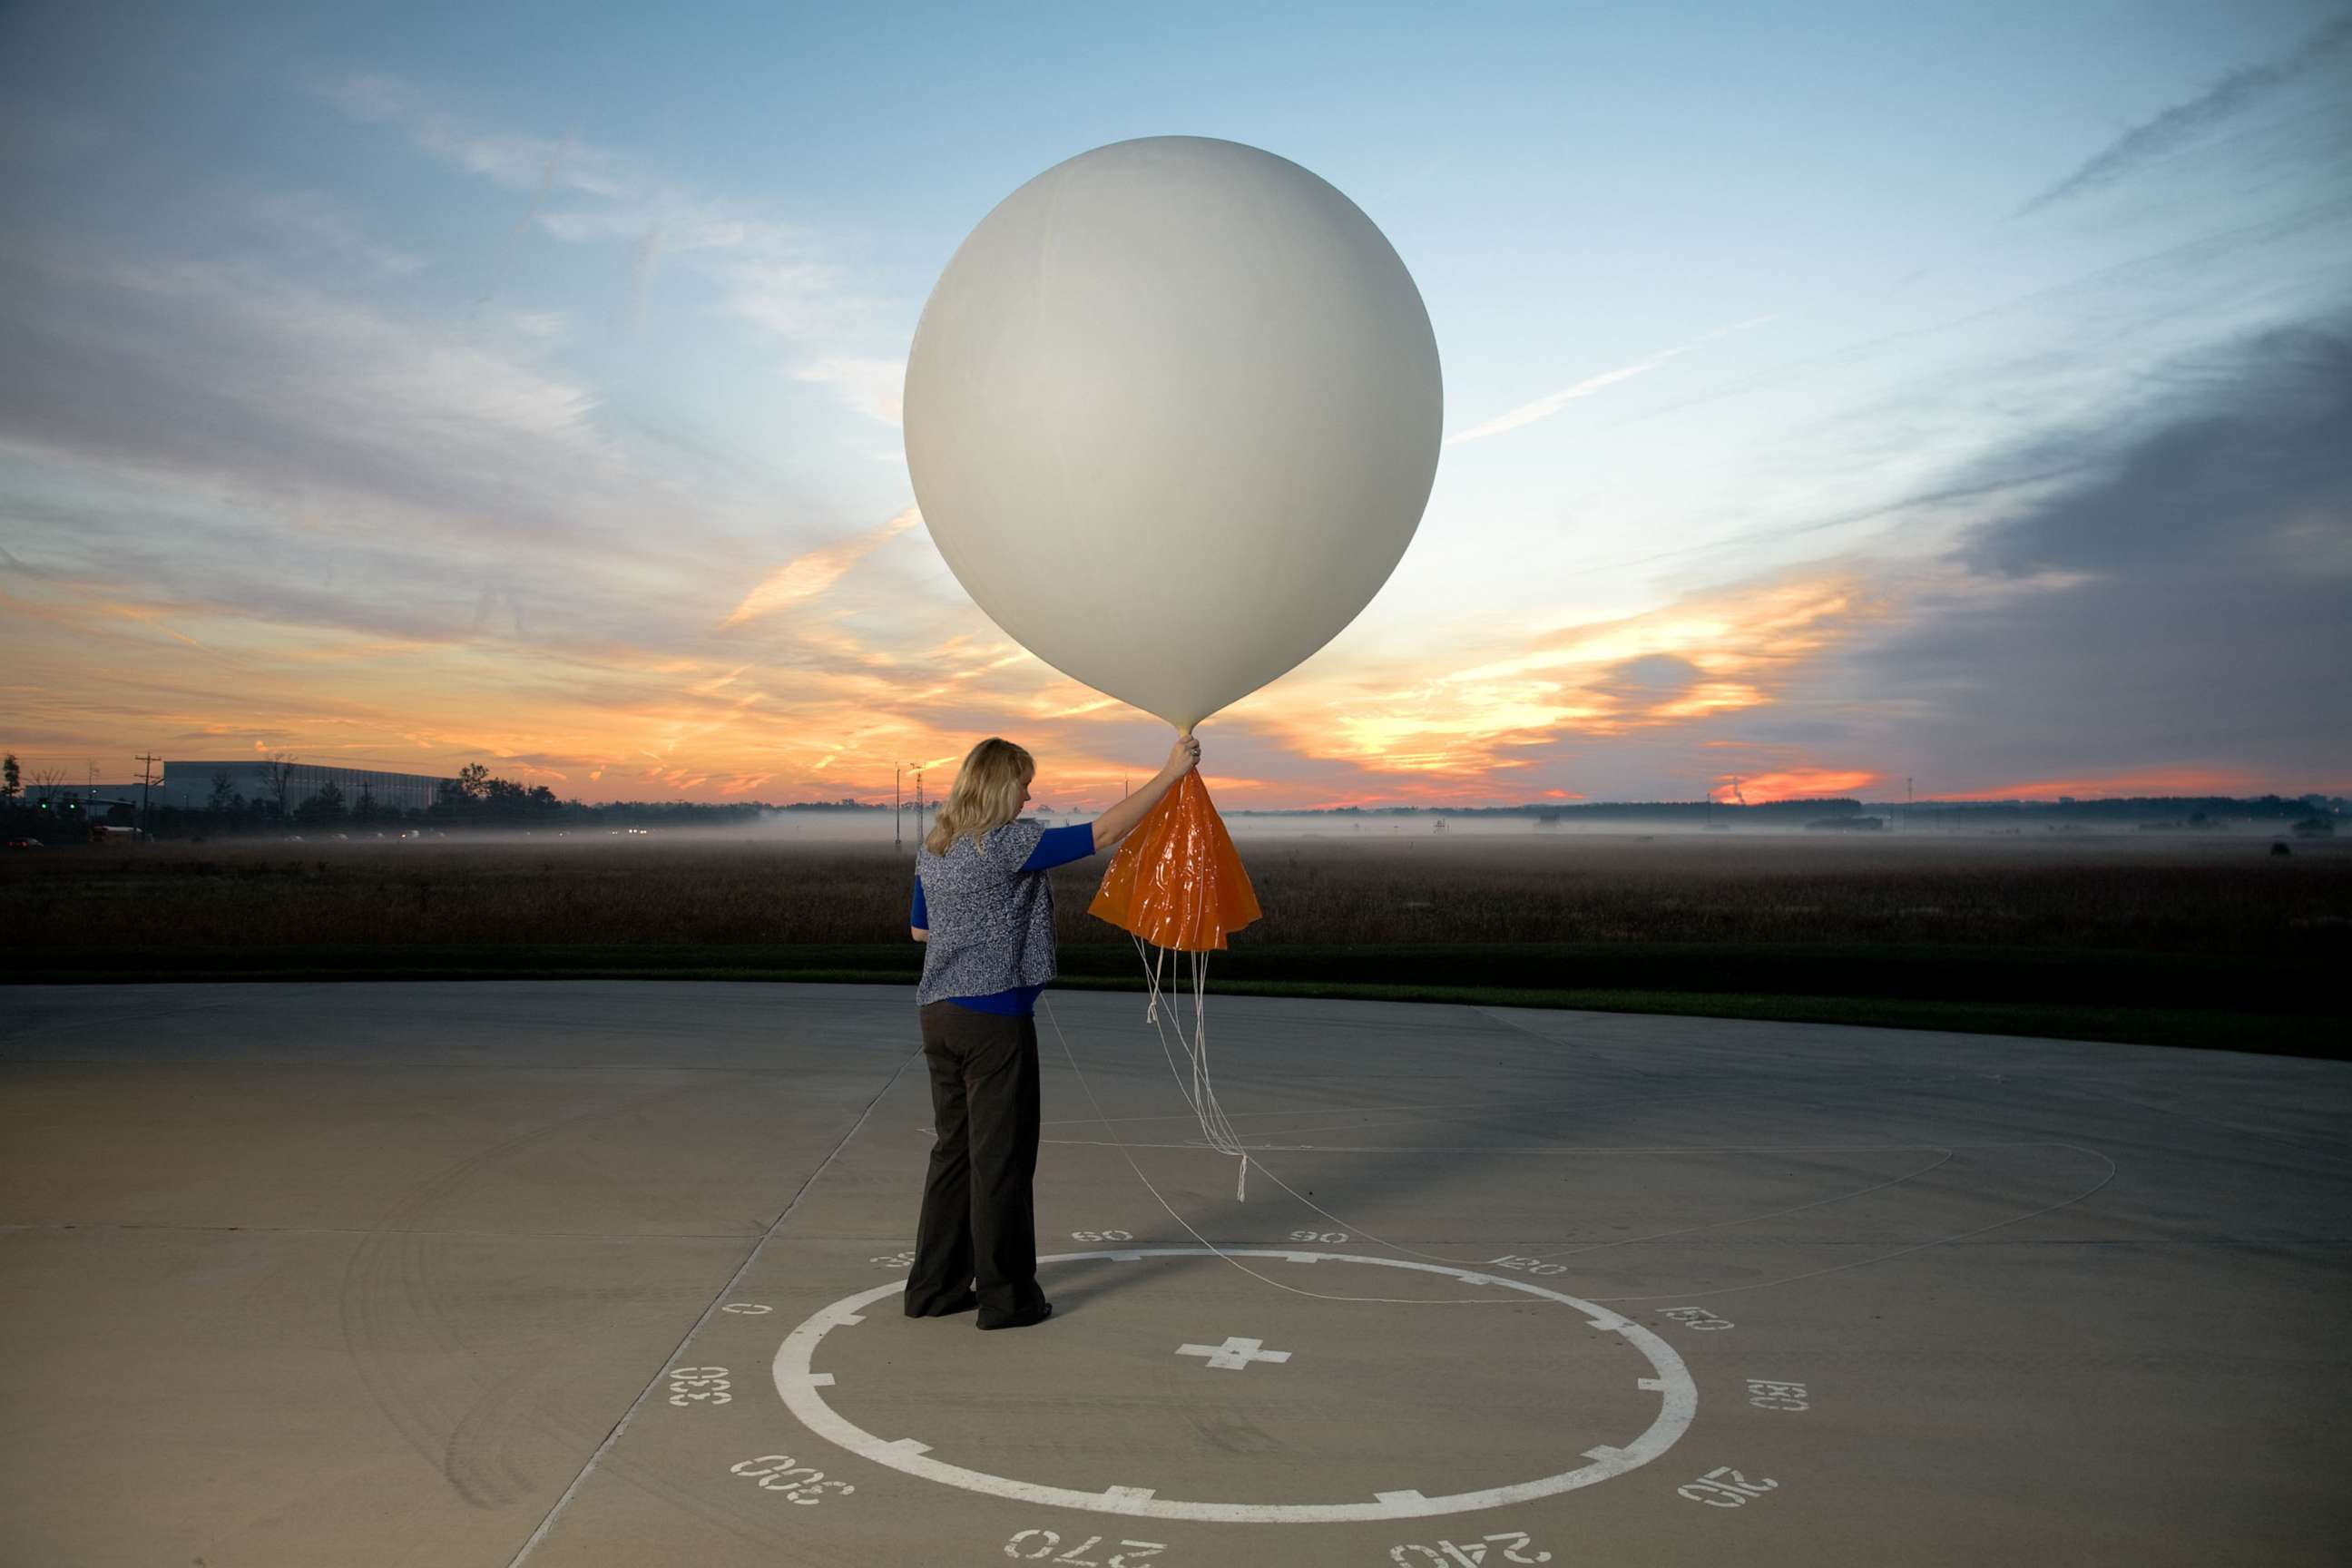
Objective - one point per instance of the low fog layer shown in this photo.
(843, 829)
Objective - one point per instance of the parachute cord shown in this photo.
(1151, 1012)
(1111, 1133)
(1216, 1127)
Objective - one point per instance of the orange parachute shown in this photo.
(1176, 880)
(1177, 883)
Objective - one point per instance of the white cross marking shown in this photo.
(1234, 1354)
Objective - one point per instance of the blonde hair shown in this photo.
(986, 794)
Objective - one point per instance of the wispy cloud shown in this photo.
(251, 469)
(281, 512)
(213, 368)
(645, 258)
(1544, 407)
(519, 162)
(1467, 727)
(306, 221)
(773, 274)
(2122, 785)
(513, 237)
(2183, 122)
(875, 387)
(1794, 783)
(2164, 619)
(805, 577)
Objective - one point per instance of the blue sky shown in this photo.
(1835, 393)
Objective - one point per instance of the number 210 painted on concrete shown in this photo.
(1041, 1545)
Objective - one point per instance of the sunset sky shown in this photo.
(1835, 393)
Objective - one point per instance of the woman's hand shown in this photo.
(1121, 819)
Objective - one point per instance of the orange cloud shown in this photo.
(2139, 782)
(1797, 784)
(744, 783)
(1722, 654)
(848, 684)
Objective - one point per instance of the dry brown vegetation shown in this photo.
(2218, 895)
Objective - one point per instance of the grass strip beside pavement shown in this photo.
(2145, 999)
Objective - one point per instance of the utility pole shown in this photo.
(898, 800)
(146, 767)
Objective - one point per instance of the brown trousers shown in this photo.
(979, 1226)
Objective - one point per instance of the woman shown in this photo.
(985, 910)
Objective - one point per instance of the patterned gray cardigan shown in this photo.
(992, 923)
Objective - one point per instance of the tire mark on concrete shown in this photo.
(401, 1338)
(469, 1432)
(723, 1515)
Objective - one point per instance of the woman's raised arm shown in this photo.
(1120, 820)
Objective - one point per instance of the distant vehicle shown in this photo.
(24, 844)
(116, 833)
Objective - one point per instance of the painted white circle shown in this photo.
(1678, 1402)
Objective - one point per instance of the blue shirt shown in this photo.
(1057, 847)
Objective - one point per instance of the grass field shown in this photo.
(2208, 941)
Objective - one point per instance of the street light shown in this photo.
(898, 804)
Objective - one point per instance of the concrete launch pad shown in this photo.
(605, 1273)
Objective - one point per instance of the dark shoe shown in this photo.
(964, 1303)
(1022, 1320)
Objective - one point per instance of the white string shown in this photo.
(1202, 1096)
(1945, 1157)
(1151, 1012)
(1128, 1154)
(1224, 1138)
(1513, 1299)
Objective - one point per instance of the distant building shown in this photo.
(100, 794)
(191, 785)
(84, 802)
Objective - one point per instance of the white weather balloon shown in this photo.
(1173, 415)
